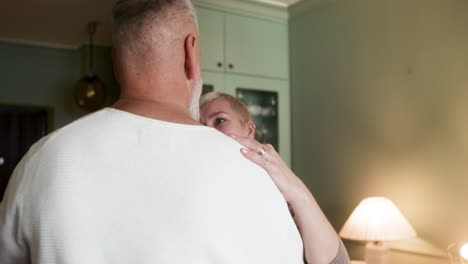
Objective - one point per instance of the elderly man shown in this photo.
(143, 181)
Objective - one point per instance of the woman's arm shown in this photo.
(321, 243)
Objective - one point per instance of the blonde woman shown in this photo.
(231, 117)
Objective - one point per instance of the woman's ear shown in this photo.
(250, 129)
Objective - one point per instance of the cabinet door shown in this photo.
(211, 27)
(256, 47)
(268, 103)
(213, 82)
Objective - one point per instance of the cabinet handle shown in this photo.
(231, 66)
(220, 64)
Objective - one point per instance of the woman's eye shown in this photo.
(219, 121)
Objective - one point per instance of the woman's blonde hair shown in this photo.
(237, 106)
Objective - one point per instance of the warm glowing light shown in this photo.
(377, 219)
(90, 92)
(464, 251)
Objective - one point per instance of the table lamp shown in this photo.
(458, 253)
(376, 219)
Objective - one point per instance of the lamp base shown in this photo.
(376, 253)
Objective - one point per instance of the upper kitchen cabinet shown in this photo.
(213, 82)
(211, 26)
(240, 41)
(256, 46)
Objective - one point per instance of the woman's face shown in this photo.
(219, 115)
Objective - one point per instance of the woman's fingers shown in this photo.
(266, 156)
(271, 150)
(260, 160)
(249, 143)
(267, 153)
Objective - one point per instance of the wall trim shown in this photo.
(273, 3)
(261, 10)
(42, 44)
(38, 44)
(304, 6)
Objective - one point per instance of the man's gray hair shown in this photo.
(129, 17)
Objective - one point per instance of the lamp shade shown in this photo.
(377, 219)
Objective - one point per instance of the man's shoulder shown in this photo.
(218, 143)
(84, 123)
(225, 151)
(66, 137)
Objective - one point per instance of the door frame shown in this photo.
(49, 109)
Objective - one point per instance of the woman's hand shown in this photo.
(266, 156)
(321, 242)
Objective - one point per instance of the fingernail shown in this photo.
(232, 135)
(245, 151)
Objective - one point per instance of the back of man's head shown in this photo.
(157, 54)
(139, 25)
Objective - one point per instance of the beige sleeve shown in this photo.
(342, 256)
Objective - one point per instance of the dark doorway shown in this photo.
(20, 127)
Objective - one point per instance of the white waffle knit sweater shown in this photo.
(114, 187)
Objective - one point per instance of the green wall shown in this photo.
(42, 76)
(380, 108)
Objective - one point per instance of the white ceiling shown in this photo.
(63, 22)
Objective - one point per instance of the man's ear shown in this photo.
(250, 129)
(191, 59)
(114, 65)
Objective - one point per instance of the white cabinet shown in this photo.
(242, 44)
(213, 82)
(256, 47)
(211, 27)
